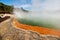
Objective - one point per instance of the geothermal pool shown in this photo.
(45, 14)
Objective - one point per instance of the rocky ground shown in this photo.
(9, 32)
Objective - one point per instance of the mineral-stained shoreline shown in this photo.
(9, 32)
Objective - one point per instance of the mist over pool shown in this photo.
(47, 16)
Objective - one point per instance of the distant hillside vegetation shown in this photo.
(7, 8)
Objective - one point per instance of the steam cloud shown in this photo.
(47, 10)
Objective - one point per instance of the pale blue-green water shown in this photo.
(39, 19)
(45, 14)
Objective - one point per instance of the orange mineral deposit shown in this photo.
(38, 29)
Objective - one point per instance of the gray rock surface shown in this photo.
(9, 32)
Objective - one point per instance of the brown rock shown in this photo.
(9, 32)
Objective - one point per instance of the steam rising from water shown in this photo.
(47, 11)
